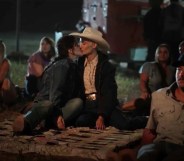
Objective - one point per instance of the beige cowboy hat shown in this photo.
(95, 36)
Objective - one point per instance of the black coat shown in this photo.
(105, 85)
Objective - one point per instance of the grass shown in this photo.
(18, 72)
(128, 87)
(29, 42)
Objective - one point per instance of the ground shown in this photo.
(74, 144)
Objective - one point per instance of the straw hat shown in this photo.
(95, 36)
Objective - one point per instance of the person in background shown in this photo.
(8, 93)
(153, 76)
(181, 49)
(172, 27)
(36, 64)
(163, 138)
(151, 28)
(99, 88)
(57, 102)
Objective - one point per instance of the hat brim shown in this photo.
(102, 43)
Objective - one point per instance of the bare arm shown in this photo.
(37, 69)
(148, 136)
(4, 69)
(143, 86)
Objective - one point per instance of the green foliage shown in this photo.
(18, 72)
(128, 87)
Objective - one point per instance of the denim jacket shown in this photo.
(59, 82)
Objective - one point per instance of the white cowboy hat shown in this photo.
(95, 36)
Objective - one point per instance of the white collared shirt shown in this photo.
(89, 75)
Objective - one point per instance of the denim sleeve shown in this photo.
(58, 79)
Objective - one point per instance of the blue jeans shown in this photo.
(161, 151)
(88, 116)
(44, 110)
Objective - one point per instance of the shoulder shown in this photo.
(35, 54)
(5, 62)
(146, 66)
(160, 93)
(61, 62)
(5, 65)
(104, 59)
(35, 57)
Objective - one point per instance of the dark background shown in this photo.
(40, 15)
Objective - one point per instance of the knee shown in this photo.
(118, 121)
(79, 103)
(111, 156)
(75, 103)
(128, 155)
(122, 155)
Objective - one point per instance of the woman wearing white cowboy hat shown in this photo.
(99, 88)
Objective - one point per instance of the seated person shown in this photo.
(181, 49)
(163, 137)
(166, 122)
(36, 64)
(97, 75)
(153, 75)
(56, 103)
(8, 93)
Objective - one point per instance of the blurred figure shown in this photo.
(172, 27)
(151, 26)
(8, 93)
(36, 64)
(97, 74)
(153, 76)
(181, 49)
(56, 103)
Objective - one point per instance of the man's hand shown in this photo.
(100, 123)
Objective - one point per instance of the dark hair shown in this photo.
(65, 43)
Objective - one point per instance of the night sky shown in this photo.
(40, 15)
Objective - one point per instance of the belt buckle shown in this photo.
(91, 97)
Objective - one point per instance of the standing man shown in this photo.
(151, 28)
(165, 127)
(99, 88)
(172, 27)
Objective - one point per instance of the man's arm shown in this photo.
(148, 136)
